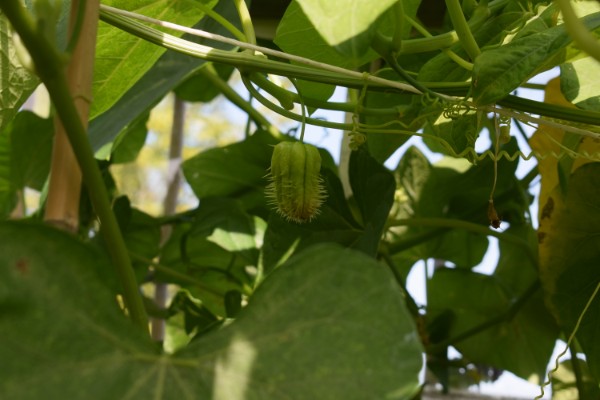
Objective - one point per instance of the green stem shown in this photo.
(211, 74)
(452, 55)
(176, 275)
(578, 372)
(288, 114)
(399, 19)
(462, 28)
(222, 21)
(414, 240)
(551, 110)
(284, 97)
(580, 34)
(468, 226)
(319, 72)
(51, 71)
(506, 316)
(246, 21)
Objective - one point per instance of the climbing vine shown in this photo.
(290, 279)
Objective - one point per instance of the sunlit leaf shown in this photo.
(351, 30)
(500, 70)
(16, 82)
(579, 84)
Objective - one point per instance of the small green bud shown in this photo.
(296, 188)
(504, 134)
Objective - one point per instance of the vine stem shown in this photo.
(462, 28)
(162, 38)
(50, 70)
(210, 73)
(246, 21)
(468, 226)
(322, 72)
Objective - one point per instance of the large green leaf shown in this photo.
(570, 256)
(62, 333)
(296, 35)
(16, 82)
(499, 71)
(347, 24)
(168, 72)
(122, 59)
(522, 345)
(329, 324)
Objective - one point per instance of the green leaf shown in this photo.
(373, 186)
(309, 344)
(347, 24)
(169, 71)
(441, 68)
(198, 88)
(329, 324)
(426, 191)
(522, 345)
(17, 83)
(579, 85)
(25, 151)
(458, 133)
(296, 35)
(214, 250)
(499, 71)
(406, 110)
(61, 328)
(122, 59)
(31, 149)
(130, 141)
(8, 189)
(233, 169)
(570, 255)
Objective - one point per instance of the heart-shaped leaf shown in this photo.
(329, 324)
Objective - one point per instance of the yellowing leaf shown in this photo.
(545, 142)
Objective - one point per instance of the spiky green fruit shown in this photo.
(296, 188)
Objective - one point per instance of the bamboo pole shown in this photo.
(62, 206)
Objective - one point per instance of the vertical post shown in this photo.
(62, 207)
(170, 204)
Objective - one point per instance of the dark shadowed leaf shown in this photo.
(311, 330)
